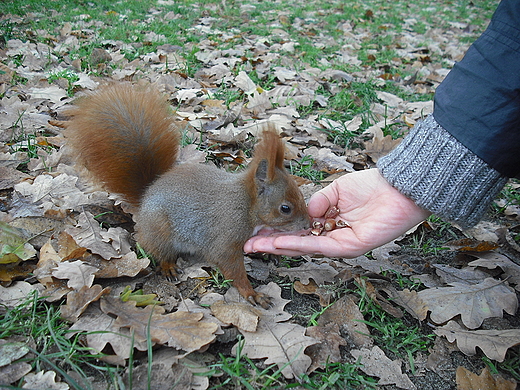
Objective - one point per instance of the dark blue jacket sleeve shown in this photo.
(479, 101)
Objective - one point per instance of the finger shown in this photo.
(322, 200)
(347, 246)
(266, 245)
(321, 245)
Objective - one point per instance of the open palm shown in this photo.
(376, 212)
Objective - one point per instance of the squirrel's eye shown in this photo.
(285, 209)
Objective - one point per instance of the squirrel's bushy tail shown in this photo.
(124, 136)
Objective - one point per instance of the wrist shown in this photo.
(441, 175)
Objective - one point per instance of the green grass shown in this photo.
(241, 372)
(39, 323)
(320, 30)
(305, 168)
(391, 333)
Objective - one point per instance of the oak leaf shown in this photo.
(242, 315)
(411, 302)
(126, 265)
(88, 233)
(376, 363)
(466, 275)
(327, 348)
(53, 192)
(378, 265)
(346, 314)
(466, 380)
(102, 330)
(320, 273)
(494, 343)
(17, 293)
(474, 302)
(78, 301)
(492, 260)
(181, 329)
(43, 380)
(282, 344)
(77, 272)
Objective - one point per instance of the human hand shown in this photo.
(376, 212)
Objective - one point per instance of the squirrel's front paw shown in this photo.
(260, 299)
(169, 270)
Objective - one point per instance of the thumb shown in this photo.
(323, 200)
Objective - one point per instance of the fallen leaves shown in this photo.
(494, 343)
(466, 380)
(474, 303)
(376, 363)
(51, 236)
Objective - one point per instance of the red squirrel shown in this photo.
(125, 136)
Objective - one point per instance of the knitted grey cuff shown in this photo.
(441, 175)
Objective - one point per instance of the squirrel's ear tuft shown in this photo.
(272, 149)
(261, 171)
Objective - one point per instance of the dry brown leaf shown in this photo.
(101, 330)
(328, 161)
(376, 363)
(466, 380)
(119, 238)
(19, 271)
(87, 234)
(282, 344)
(411, 302)
(492, 260)
(43, 380)
(244, 82)
(77, 272)
(377, 266)
(181, 329)
(192, 307)
(474, 302)
(372, 290)
(78, 301)
(309, 288)
(166, 371)
(320, 273)
(346, 314)
(471, 245)
(126, 265)
(68, 248)
(380, 145)
(327, 348)
(494, 343)
(51, 192)
(17, 293)
(40, 229)
(14, 372)
(440, 360)
(465, 275)
(10, 176)
(49, 260)
(242, 315)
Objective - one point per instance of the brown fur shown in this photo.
(124, 136)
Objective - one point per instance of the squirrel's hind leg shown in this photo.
(156, 239)
(233, 268)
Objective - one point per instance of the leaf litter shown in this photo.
(239, 81)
